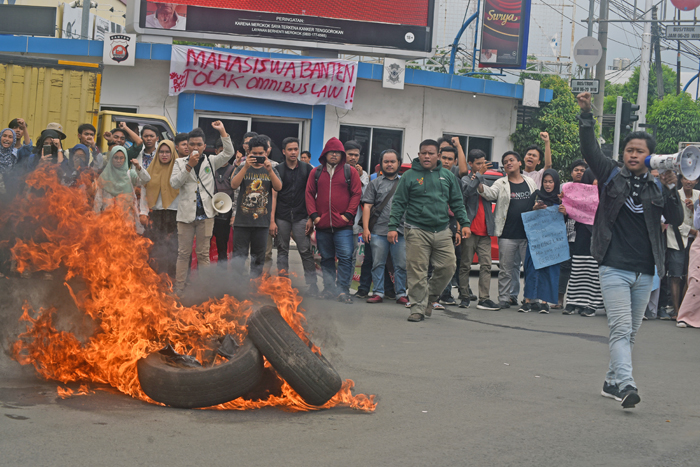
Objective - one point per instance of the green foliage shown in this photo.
(677, 119)
(558, 118)
(630, 89)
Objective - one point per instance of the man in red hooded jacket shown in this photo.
(332, 204)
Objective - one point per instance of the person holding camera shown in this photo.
(194, 177)
(626, 241)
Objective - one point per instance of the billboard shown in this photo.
(369, 27)
(504, 34)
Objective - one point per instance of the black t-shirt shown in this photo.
(630, 247)
(254, 198)
(291, 200)
(521, 200)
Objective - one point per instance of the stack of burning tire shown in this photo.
(181, 381)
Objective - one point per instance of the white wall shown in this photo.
(144, 86)
(427, 113)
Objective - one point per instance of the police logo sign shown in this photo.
(119, 49)
(394, 73)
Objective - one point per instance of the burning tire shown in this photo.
(196, 386)
(311, 376)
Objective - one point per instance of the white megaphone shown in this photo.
(222, 203)
(687, 162)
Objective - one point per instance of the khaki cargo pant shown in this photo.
(186, 233)
(423, 248)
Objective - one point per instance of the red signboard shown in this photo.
(504, 34)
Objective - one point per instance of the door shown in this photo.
(236, 127)
(277, 130)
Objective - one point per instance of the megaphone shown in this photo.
(687, 162)
(222, 203)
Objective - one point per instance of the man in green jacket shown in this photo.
(425, 195)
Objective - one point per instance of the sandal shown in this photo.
(345, 298)
(416, 317)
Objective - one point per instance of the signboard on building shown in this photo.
(119, 49)
(369, 27)
(682, 33)
(504, 34)
(394, 73)
(585, 85)
(298, 80)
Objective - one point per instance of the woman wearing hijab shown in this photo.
(584, 295)
(116, 184)
(70, 168)
(159, 203)
(542, 284)
(7, 158)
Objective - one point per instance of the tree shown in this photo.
(558, 118)
(677, 119)
(630, 89)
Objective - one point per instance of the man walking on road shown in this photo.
(425, 194)
(377, 199)
(626, 241)
(333, 195)
(290, 217)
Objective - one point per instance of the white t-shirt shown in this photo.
(152, 22)
(536, 176)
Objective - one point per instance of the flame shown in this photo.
(133, 307)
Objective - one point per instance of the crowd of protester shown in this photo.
(422, 227)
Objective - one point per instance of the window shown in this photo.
(474, 142)
(373, 141)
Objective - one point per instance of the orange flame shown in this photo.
(133, 307)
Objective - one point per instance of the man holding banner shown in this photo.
(626, 241)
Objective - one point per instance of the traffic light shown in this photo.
(629, 115)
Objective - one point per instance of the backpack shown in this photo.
(348, 176)
(616, 170)
(282, 168)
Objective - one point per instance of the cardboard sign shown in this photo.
(580, 201)
(546, 236)
(298, 80)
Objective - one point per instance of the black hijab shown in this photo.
(588, 177)
(550, 198)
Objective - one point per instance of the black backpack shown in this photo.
(348, 176)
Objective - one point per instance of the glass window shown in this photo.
(373, 141)
(474, 142)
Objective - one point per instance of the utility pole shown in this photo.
(678, 61)
(600, 68)
(657, 55)
(85, 25)
(591, 9)
(644, 68)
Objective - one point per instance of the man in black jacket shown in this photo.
(626, 241)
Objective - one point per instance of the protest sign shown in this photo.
(546, 236)
(580, 201)
(298, 80)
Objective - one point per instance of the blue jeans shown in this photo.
(380, 250)
(332, 245)
(626, 295)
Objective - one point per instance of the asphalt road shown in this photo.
(465, 387)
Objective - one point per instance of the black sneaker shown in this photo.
(525, 308)
(448, 300)
(487, 305)
(630, 397)
(587, 312)
(502, 305)
(663, 314)
(472, 297)
(535, 307)
(514, 301)
(569, 310)
(464, 303)
(544, 308)
(361, 294)
(611, 391)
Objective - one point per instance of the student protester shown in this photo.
(352, 151)
(23, 143)
(542, 284)
(194, 178)
(533, 157)
(676, 245)
(116, 185)
(118, 137)
(73, 164)
(306, 157)
(689, 312)
(626, 241)
(513, 196)
(377, 209)
(290, 219)
(223, 221)
(425, 194)
(578, 168)
(7, 158)
(86, 137)
(256, 179)
(149, 136)
(483, 228)
(333, 194)
(460, 168)
(159, 202)
(51, 136)
(181, 147)
(271, 240)
(448, 157)
(244, 150)
(583, 295)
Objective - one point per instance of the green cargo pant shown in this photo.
(423, 248)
